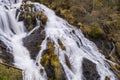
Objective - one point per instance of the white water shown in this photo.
(77, 46)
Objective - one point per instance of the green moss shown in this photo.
(96, 31)
(86, 29)
(51, 48)
(30, 27)
(52, 60)
(55, 62)
(49, 59)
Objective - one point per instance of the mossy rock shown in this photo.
(51, 47)
(67, 61)
(51, 63)
(43, 18)
(29, 17)
(107, 78)
(52, 66)
(61, 45)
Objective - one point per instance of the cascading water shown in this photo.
(12, 33)
(77, 46)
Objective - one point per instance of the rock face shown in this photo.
(33, 41)
(89, 70)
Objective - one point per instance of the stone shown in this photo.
(5, 55)
(32, 41)
(89, 70)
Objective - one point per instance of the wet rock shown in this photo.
(89, 70)
(4, 54)
(104, 45)
(61, 45)
(67, 61)
(33, 42)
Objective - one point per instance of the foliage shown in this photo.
(7, 73)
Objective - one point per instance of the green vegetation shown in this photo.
(29, 16)
(93, 31)
(51, 63)
(99, 20)
(8, 73)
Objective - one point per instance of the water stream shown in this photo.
(77, 46)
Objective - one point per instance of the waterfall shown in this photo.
(77, 46)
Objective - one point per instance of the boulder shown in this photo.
(33, 42)
(89, 70)
(4, 54)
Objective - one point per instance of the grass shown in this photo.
(7, 73)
